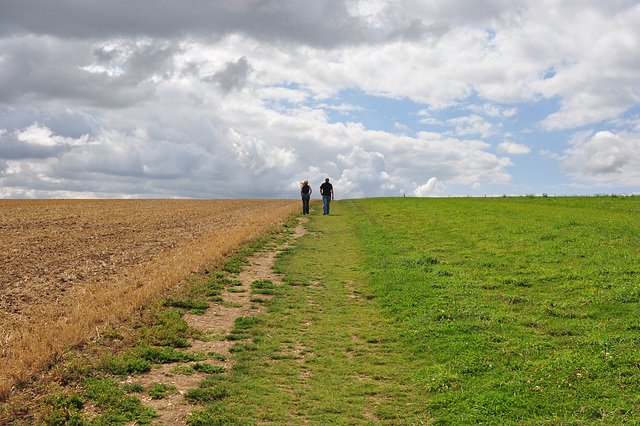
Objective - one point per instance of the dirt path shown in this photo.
(218, 320)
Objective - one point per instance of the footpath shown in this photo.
(219, 319)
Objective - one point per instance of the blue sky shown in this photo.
(246, 98)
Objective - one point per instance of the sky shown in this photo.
(246, 98)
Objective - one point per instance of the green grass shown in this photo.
(450, 311)
(161, 390)
(525, 315)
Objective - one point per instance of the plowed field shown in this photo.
(57, 256)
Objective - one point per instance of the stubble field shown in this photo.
(69, 267)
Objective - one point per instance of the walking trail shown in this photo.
(218, 320)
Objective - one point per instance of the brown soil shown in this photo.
(49, 246)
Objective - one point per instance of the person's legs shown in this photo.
(305, 203)
(325, 204)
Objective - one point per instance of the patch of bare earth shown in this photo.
(218, 320)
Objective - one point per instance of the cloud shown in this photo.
(605, 158)
(513, 148)
(37, 134)
(315, 22)
(241, 6)
(240, 98)
(365, 174)
(257, 156)
(31, 64)
(432, 188)
(594, 65)
(492, 110)
(233, 76)
(471, 125)
(35, 141)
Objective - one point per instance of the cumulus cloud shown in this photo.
(432, 188)
(35, 141)
(365, 174)
(605, 158)
(37, 134)
(257, 156)
(513, 148)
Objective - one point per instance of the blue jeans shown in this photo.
(305, 203)
(326, 200)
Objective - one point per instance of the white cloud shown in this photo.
(604, 158)
(492, 110)
(513, 148)
(471, 125)
(428, 118)
(37, 134)
(432, 188)
(365, 174)
(257, 156)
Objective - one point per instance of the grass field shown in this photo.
(402, 311)
(452, 311)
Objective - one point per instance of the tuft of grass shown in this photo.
(263, 283)
(187, 303)
(65, 410)
(161, 390)
(217, 356)
(132, 388)
(114, 405)
(198, 367)
(123, 365)
(169, 329)
(235, 264)
(208, 368)
(206, 395)
(245, 323)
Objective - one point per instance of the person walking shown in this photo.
(305, 193)
(326, 190)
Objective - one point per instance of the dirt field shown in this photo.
(51, 251)
(49, 246)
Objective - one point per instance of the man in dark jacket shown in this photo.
(326, 190)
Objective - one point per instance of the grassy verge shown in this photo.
(450, 311)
